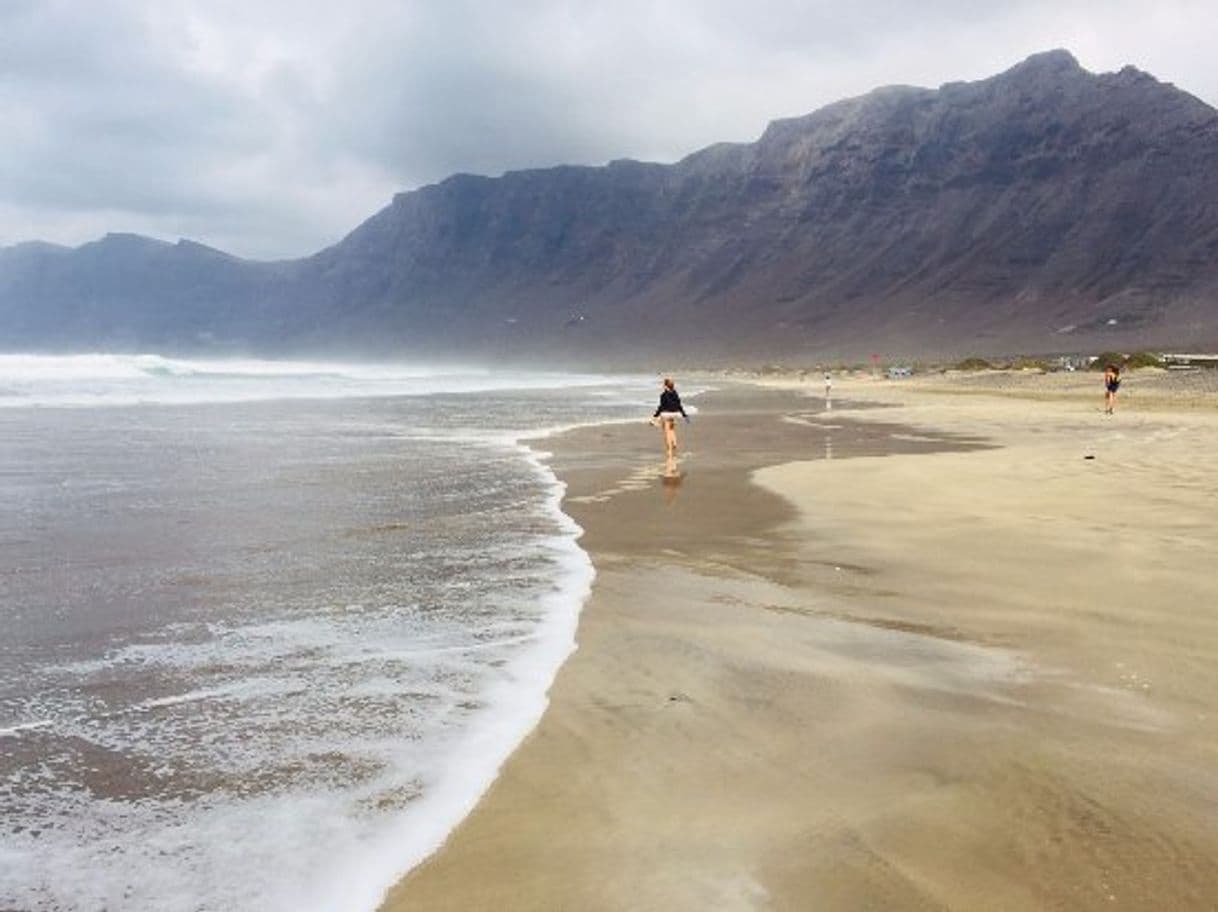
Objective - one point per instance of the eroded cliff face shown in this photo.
(1045, 208)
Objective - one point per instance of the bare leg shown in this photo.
(670, 436)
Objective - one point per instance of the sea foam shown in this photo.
(91, 380)
(363, 798)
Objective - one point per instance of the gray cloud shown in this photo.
(271, 129)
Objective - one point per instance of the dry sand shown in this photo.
(977, 674)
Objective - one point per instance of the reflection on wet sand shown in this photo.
(671, 478)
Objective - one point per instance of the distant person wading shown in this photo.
(666, 415)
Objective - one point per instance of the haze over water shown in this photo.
(269, 628)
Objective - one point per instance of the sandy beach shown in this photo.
(950, 644)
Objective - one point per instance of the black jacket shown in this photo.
(669, 402)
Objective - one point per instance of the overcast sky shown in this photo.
(271, 128)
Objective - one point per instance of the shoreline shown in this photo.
(492, 745)
(761, 698)
(318, 543)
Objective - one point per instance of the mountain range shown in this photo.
(1045, 209)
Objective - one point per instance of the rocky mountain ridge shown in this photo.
(1044, 209)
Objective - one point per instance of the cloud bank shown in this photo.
(271, 129)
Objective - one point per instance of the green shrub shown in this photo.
(974, 364)
(1022, 364)
(1143, 359)
(1127, 362)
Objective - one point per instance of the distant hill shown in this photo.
(1043, 209)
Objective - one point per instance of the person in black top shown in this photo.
(1112, 383)
(666, 415)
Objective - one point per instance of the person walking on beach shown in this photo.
(1112, 383)
(666, 415)
(828, 385)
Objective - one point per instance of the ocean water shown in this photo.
(269, 629)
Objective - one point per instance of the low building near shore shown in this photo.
(1186, 362)
(1071, 363)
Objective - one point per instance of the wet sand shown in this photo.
(978, 673)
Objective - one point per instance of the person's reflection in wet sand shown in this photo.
(671, 479)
